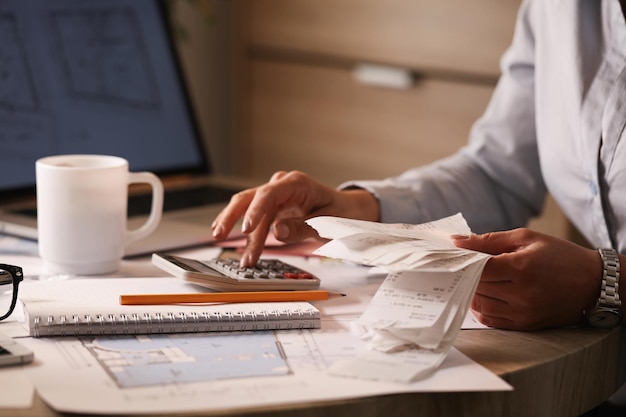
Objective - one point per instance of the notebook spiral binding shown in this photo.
(192, 322)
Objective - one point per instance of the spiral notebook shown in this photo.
(90, 306)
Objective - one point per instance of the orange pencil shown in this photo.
(226, 297)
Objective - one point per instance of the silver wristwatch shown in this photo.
(607, 311)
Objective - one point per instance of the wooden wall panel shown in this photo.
(452, 35)
(319, 120)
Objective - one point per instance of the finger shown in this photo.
(256, 242)
(278, 175)
(496, 311)
(235, 210)
(254, 248)
(492, 312)
(493, 243)
(496, 322)
(499, 269)
(290, 213)
(506, 264)
(293, 230)
(268, 198)
(488, 302)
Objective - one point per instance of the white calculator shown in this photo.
(224, 274)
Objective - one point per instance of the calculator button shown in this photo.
(245, 274)
(276, 275)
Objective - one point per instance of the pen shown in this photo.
(227, 297)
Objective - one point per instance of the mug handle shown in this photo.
(157, 205)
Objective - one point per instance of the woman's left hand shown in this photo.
(533, 280)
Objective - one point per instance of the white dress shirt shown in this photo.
(554, 124)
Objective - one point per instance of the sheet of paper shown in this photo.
(437, 231)
(471, 322)
(405, 366)
(397, 247)
(17, 388)
(87, 387)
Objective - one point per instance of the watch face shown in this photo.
(604, 319)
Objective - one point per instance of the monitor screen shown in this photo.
(98, 76)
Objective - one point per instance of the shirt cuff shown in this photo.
(396, 204)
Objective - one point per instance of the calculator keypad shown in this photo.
(265, 269)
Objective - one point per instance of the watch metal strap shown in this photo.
(609, 293)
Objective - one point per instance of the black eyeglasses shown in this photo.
(10, 278)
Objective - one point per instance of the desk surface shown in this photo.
(562, 372)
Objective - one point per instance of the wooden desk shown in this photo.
(556, 373)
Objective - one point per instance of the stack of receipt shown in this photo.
(417, 312)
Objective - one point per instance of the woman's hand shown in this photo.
(533, 281)
(283, 204)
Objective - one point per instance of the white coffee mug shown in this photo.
(82, 212)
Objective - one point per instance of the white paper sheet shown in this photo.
(396, 247)
(17, 388)
(87, 388)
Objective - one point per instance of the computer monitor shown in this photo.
(97, 76)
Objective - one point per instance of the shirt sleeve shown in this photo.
(495, 181)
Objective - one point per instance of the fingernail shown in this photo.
(460, 236)
(246, 225)
(281, 231)
(245, 261)
(218, 229)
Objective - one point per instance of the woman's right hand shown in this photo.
(283, 204)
